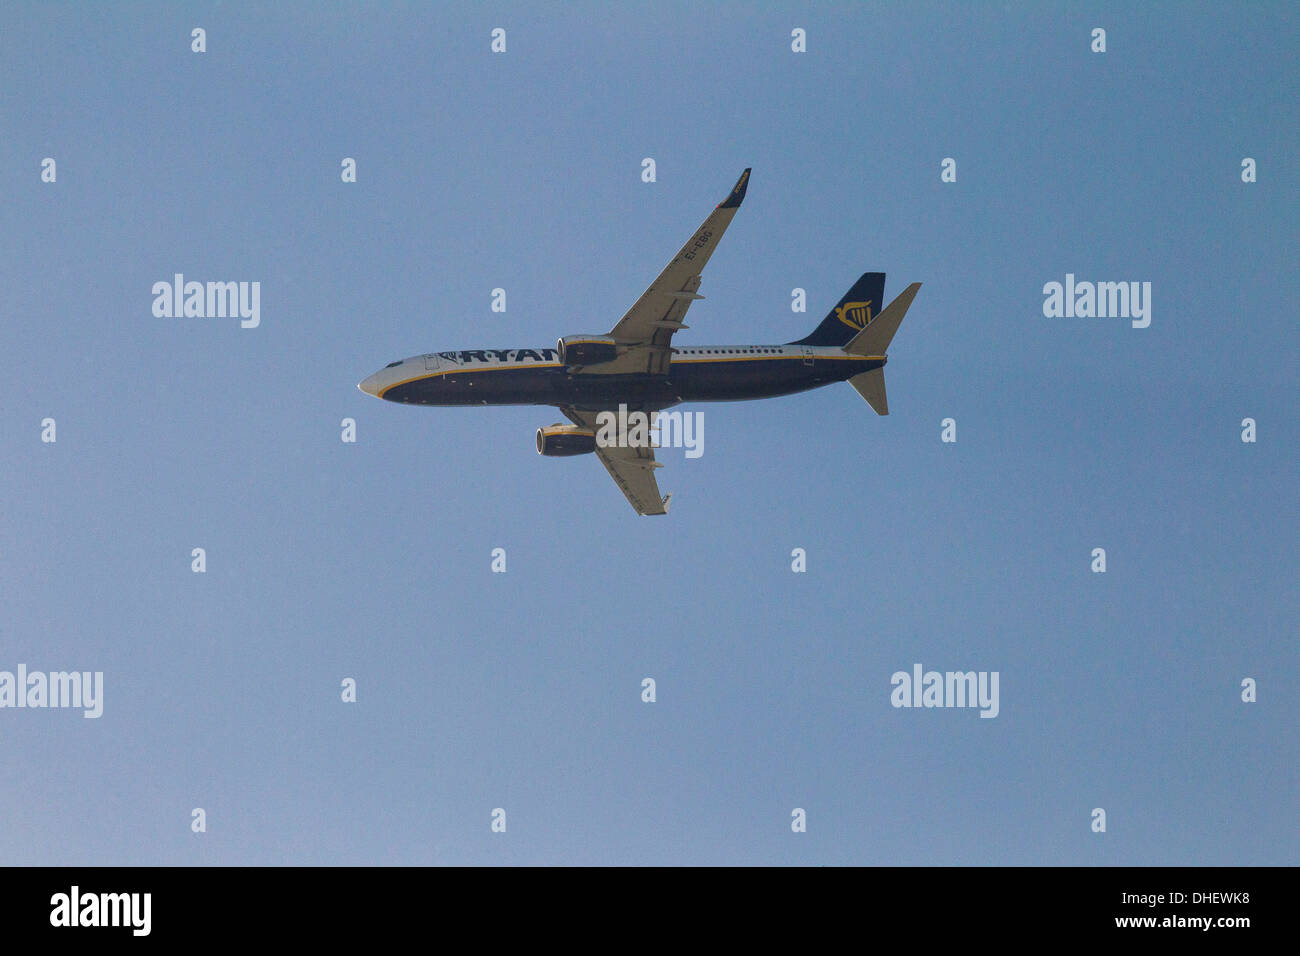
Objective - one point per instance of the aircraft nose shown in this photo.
(371, 385)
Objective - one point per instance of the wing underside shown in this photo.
(646, 331)
(633, 469)
(644, 339)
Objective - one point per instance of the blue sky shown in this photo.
(521, 690)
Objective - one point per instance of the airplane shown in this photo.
(636, 365)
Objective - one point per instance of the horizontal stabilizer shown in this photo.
(871, 386)
(875, 338)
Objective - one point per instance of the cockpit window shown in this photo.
(392, 364)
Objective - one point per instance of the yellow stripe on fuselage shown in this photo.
(675, 361)
(476, 368)
(783, 358)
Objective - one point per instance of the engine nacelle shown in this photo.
(559, 441)
(587, 349)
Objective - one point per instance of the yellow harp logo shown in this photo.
(855, 315)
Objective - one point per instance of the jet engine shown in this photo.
(586, 349)
(558, 441)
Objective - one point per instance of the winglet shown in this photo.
(738, 194)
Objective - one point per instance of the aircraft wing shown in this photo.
(633, 469)
(648, 327)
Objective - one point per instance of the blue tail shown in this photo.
(859, 306)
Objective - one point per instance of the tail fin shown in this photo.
(852, 314)
(875, 338)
